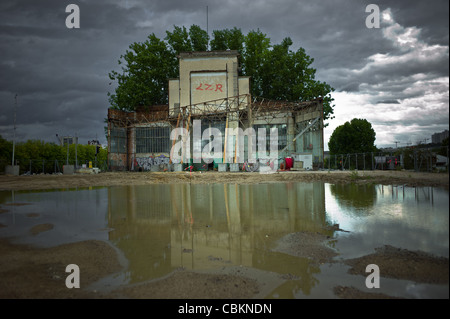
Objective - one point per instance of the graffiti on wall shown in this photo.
(117, 161)
(146, 163)
(209, 87)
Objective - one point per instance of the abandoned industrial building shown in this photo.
(209, 89)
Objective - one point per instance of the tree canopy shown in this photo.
(277, 72)
(356, 136)
(36, 154)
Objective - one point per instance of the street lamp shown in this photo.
(14, 135)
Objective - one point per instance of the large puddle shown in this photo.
(162, 227)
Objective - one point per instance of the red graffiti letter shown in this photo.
(199, 87)
(207, 87)
(218, 87)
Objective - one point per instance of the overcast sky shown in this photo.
(395, 76)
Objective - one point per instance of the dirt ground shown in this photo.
(396, 263)
(307, 244)
(30, 272)
(8, 182)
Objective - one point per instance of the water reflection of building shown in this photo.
(162, 227)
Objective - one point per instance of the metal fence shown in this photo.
(419, 160)
(42, 166)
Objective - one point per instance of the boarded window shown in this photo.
(153, 140)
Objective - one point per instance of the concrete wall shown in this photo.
(206, 76)
(12, 170)
(174, 96)
(117, 161)
(151, 161)
(312, 140)
(68, 169)
(244, 85)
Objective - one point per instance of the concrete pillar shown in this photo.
(299, 141)
(131, 146)
(234, 167)
(178, 167)
(290, 134)
(232, 147)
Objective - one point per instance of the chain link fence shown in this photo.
(418, 159)
(42, 166)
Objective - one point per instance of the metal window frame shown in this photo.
(153, 139)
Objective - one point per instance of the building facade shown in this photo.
(210, 94)
(437, 138)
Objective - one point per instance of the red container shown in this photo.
(289, 163)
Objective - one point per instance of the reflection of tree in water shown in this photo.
(354, 195)
(5, 197)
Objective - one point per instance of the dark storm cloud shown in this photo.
(388, 102)
(61, 75)
(356, 46)
(430, 16)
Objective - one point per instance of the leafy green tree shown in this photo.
(40, 156)
(143, 80)
(443, 150)
(182, 40)
(356, 136)
(276, 71)
(257, 48)
(288, 75)
(228, 39)
(199, 38)
(179, 40)
(5, 150)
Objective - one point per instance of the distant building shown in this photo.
(64, 140)
(437, 138)
(441, 162)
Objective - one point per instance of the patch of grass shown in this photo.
(354, 176)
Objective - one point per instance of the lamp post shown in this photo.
(14, 135)
(76, 146)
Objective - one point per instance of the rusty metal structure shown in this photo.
(307, 115)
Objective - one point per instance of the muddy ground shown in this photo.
(407, 178)
(30, 272)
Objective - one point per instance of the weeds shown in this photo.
(354, 176)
